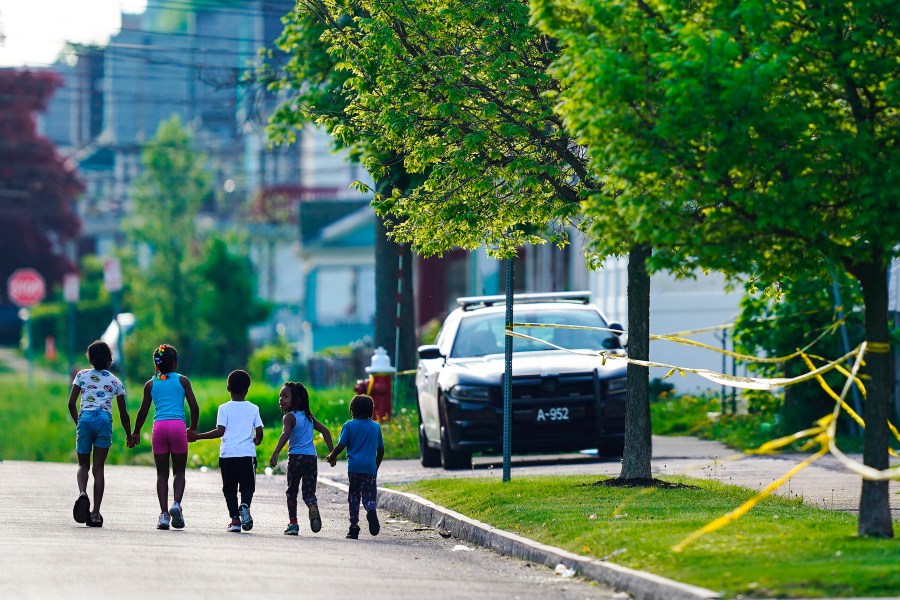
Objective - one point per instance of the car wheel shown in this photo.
(429, 457)
(451, 458)
(611, 448)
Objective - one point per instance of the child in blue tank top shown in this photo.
(168, 391)
(298, 427)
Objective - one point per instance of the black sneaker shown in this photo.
(374, 525)
(353, 534)
(315, 519)
(246, 519)
(82, 509)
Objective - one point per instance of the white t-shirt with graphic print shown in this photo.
(98, 388)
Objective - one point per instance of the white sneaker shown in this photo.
(235, 525)
(163, 521)
(177, 516)
(246, 519)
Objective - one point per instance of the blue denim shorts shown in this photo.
(94, 429)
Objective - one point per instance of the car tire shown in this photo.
(614, 448)
(429, 457)
(450, 458)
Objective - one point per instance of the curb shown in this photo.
(640, 585)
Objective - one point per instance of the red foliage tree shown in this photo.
(37, 189)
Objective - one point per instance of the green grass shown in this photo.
(782, 548)
(36, 425)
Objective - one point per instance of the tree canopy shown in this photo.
(457, 91)
(38, 189)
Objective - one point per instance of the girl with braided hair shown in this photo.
(299, 427)
(167, 391)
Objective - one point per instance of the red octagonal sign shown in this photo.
(25, 287)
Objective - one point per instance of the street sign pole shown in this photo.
(71, 293)
(112, 281)
(25, 315)
(507, 373)
(24, 288)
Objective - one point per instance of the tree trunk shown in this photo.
(638, 445)
(387, 255)
(874, 503)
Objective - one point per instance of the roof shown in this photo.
(319, 219)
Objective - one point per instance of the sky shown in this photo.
(35, 30)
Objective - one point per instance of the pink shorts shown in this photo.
(169, 436)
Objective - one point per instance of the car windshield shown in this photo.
(480, 335)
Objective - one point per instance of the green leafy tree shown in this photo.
(165, 287)
(315, 87)
(227, 307)
(458, 91)
(767, 129)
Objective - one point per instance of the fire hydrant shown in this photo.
(378, 385)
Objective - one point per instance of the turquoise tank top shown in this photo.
(168, 398)
(302, 435)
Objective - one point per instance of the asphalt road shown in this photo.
(47, 555)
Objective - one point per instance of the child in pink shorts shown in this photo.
(168, 391)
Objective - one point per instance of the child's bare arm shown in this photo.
(332, 456)
(192, 402)
(378, 456)
(326, 435)
(287, 425)
(142, 411)
(212, 434)
(257, 439)
(124, 417)
(73, 398)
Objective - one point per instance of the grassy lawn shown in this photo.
(35, 422)
(780, 549)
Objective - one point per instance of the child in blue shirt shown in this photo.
(361, 436)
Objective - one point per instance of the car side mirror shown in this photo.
(430, 352)
(616, 328)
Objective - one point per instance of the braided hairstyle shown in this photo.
(165, 357)
(299, 398)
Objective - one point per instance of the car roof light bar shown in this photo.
(469, 302)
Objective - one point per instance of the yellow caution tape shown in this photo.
(679, 339)
(752, 383)
(746, 506)
(824, 435)
(879, 347)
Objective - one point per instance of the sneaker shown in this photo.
(315, 520)
(353, 534)
(82, 509)
(246, 519)
(292, 529)
(163, 521)
(235, 525)
(95, 520)
(177, 516)
(374, 525)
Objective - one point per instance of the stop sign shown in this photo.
(25, 287)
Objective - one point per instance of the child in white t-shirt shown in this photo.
(241, 429)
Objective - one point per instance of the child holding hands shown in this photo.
(239, 425)
(167, 392)
(93, 426)
(361, 436)
(298, 427)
